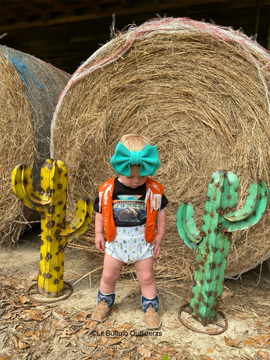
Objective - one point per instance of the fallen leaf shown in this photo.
(91, 325)
(29, 333)
(258, 340)
(4, 358)
(7, 316)
(34, 318)
(108, 323)
(210, 350)
(57, 316)
(157, 349)
(122, 327)
(103, 340)
(206, 357)
(41, 333)
(100, 354)
(249, 342)
(115, 341)
(92, 345)
(22, 301)
(109, 352)
(231, 342)
(264, 355)
(64, 334)
(144, 351)
(116, 309)
(127, 326)
(127, 344)
(15, 339)
(23, 345)
(81, 316)
(167, 348)
(82, 332)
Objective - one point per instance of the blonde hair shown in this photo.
(134, 142)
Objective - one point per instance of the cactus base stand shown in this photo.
(36, 289)
(186, 308)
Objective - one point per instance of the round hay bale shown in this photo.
(29, 91)
(200, 93)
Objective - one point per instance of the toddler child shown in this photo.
(130, 209)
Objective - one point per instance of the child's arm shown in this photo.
(161, 223)
(99, 238)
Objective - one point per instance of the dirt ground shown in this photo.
(64, 330)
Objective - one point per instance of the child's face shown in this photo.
(134, 180)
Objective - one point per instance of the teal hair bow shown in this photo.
(147, 158)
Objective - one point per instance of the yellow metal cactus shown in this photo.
(50, 201)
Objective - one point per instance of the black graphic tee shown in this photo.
(129, 204)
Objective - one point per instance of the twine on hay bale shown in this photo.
(200, 92)
(29, 91)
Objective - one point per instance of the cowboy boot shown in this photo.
(105, 303)
(150, 308)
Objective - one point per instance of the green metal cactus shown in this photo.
(212, 243)
(50, 201)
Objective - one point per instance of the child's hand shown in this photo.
(161, 222)
(157, 243)
(99, 241)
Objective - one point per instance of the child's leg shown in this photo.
(145, 276)
(106, 296)
(149, 298)
(111, 272)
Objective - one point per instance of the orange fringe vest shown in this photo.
(154, 192)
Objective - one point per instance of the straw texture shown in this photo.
(201, 94)
(29, 91)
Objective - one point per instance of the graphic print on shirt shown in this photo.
(129, 209)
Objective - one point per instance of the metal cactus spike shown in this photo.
(212, 243)
(50, 201)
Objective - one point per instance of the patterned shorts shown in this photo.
(129, 245)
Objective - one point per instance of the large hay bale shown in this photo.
(200, 92)
(29, 91)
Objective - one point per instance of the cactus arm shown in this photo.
(249, 207)
(46, 174)
(189, 225)
(83, 214)
(230, 191)
(22, 187)
(17, 185)
(180, 228)
(80, 225)
(212, 206)
(257, 214)
(29, 192)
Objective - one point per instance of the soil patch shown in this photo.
(64, 330)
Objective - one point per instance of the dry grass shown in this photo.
(25, 118)
(201, 94)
